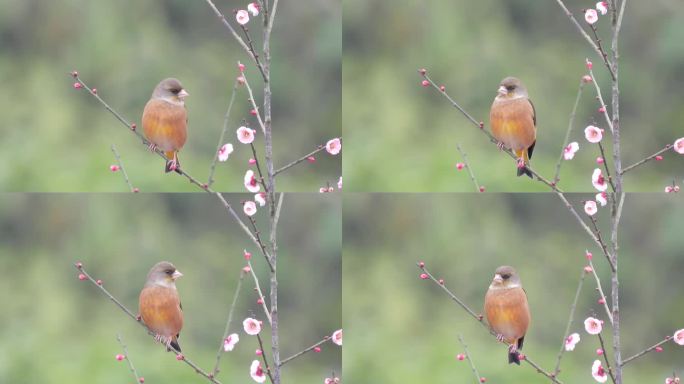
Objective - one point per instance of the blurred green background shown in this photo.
(56, 138)
(401, 329)
(57, 329)
(402, 137)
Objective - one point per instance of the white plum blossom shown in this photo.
(591, 16)
(571, 341)
(602, 198)
(249, 207)
(260, 198)
(569, 151)
(225, 151)
(337, 337)
(253, 8)
(593, 326)
(598, 372)
(251, 182)
(252, 326)
(679, 145)
(333, 146)
(598, 181)
(593, 134)
(679, 337)
(242, 17)
(245, 135)
(590, 207)
(602, 7)
(230, 341)
(257, 372)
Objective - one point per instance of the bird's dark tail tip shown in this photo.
(513, 357)
(525, 171)
(174, 344)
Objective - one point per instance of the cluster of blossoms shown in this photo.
(242, 16)
(594, 326)
(591, 15)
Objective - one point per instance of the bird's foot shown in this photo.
(152, 147)
(521, 163)
(158, 338)
(173, 164)
(513, 348)
(500, 145)
(499, 337)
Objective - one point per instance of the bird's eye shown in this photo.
(175, 91)
(510, 87)
(506, 276)
(169, 271)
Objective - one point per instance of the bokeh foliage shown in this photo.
(57, 139)
(57, 329)
(401, 329)
(402, 137)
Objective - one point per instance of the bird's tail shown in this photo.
(174, 343)
(513, 358)
(524, 170)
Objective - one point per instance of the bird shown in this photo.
(165, 121)
(160, 306)
(507, 311)
(514, 122)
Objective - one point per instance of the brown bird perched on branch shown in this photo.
(160, 306)
(165, 120)
(514, 121)
(507, 311)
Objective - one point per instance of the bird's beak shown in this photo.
(183, 94)
(502, 91)
(497, 279)
(176, 275)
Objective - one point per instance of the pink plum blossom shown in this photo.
(571, 341)
(593, 326)
(257, 372)
(230, 341)
(249, 208)
(245, 135)
(598, 181)
(242, 17)
(591, 16)
(252, 326)
(593, 134)
(337, 337)
(590, 207)
(333, 146)
(598, 372)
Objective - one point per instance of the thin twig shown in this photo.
(302, 352)
(470, 360)
(645, 351)
(556, 178)
(604, 55)
(130, 314)
(274, 225)
(259, 292)
(646, 159)
(603, 246)
(467, 165)
(480, 125)
(219, 354)
(261, 244)
(599, 95)
(605, 166)
(599, 288)
(292, 164)
(121, 167)
(233, 32)
(479, 319)
(570, 320)
(128, 359)
(263, 356)
(607, 360)
(242, 225)
(251, 49)
(587, 37)
(254, 105)
(584, 225)
(226, 120)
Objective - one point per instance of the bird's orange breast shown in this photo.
(507, 312)
(512, 123)
(165, 124)
(160, 310)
